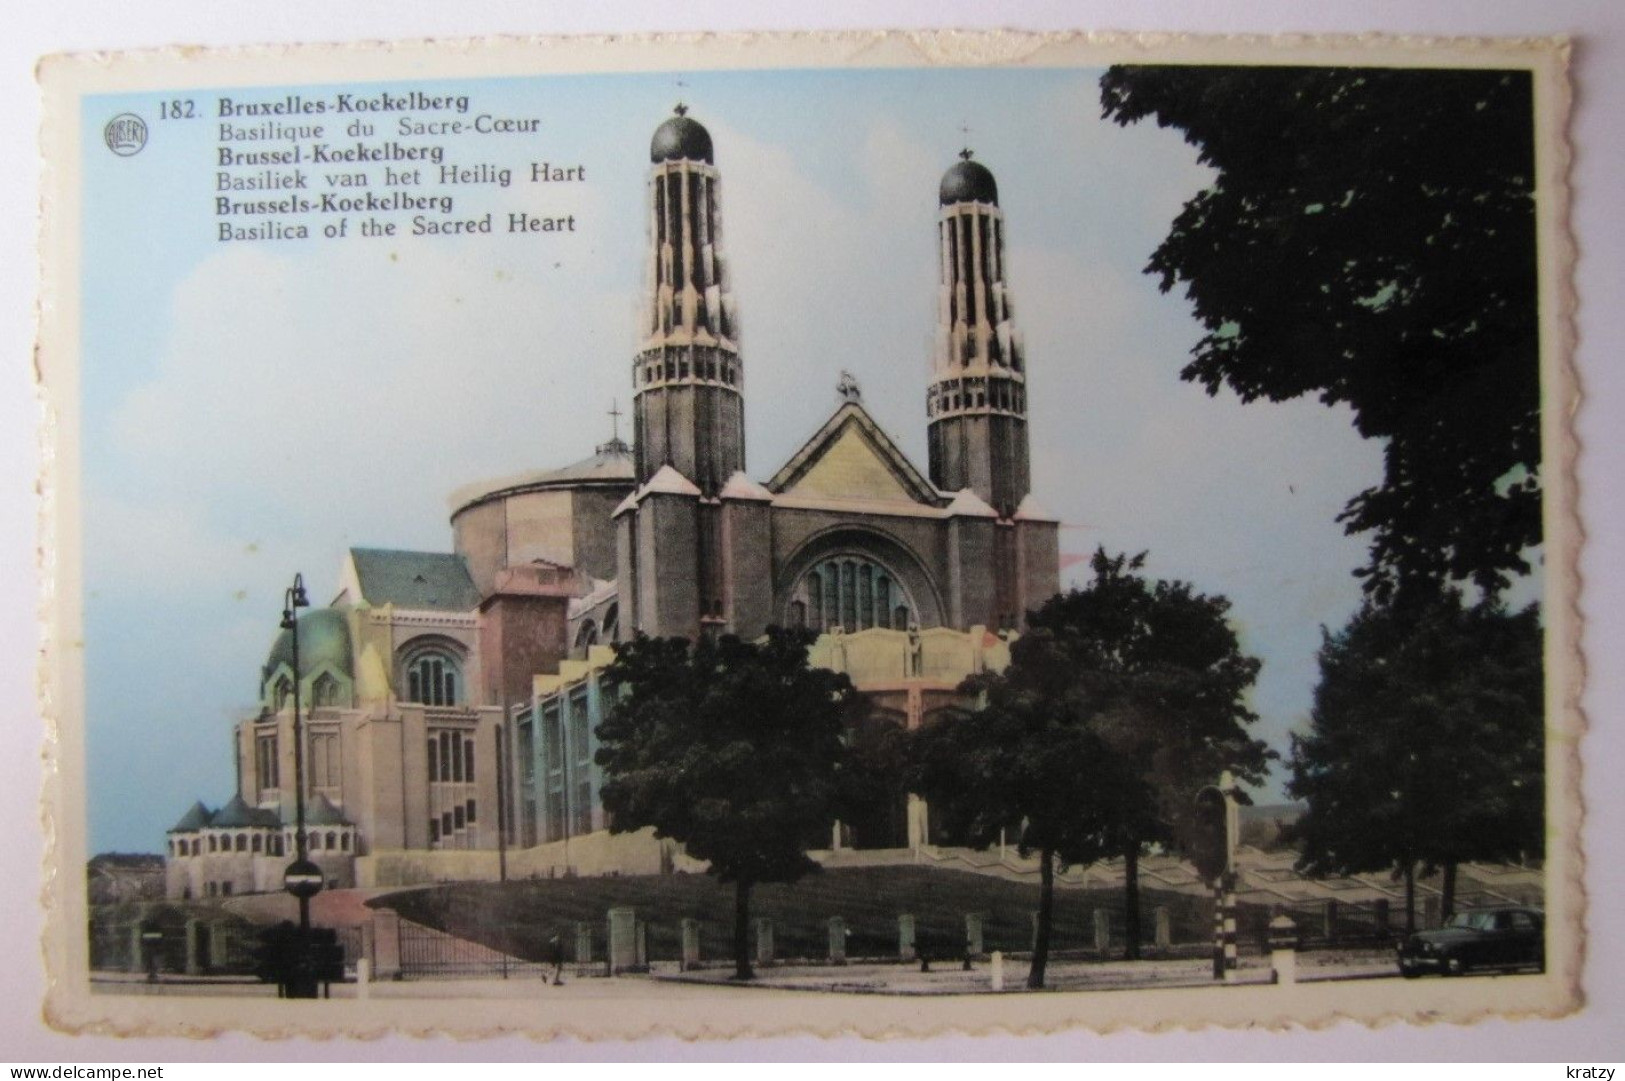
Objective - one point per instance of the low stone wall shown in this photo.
(598, 853)
(603, 853)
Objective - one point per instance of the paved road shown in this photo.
(667, 983)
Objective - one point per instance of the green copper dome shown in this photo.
(324, 640)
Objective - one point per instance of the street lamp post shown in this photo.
(303, 878)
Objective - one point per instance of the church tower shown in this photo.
(977, 402)
(688, 410)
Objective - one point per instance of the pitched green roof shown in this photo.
(236, 814)
(438, 581)
(196, 817)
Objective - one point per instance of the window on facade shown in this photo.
(325, 691)
(470, 812)
(445, 823)
(212, 842)
(332, 840)
(578, 726)
(325, 760)
(848, 591)
(434, 830)
(583, 808)
(258, 842)
(266, 770)
(457, 820)
(468, 760)
(552, 739)
(197, 846)
(225, 889)
(242, 842)
(431, 679)
(344, 842)
(587, 635)
(282, 692)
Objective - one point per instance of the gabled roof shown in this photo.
(437, 581)
(851, 457)
(742, 488)
(967, 504)
(236, 814)
(195, 818)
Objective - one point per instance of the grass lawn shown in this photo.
(519, 917)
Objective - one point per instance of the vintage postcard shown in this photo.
(877, 533)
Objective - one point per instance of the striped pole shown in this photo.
(1218, 929)
(1228, 930)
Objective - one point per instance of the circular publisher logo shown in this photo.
(125, 134)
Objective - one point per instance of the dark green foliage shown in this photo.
(1121, 701)
(1370, 240)
(734, 749)
(1428, 741)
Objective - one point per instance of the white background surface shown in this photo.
(1599, 208)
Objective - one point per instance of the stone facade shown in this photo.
(432, 673)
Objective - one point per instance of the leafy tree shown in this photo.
(1370, 239)
(732, 748)
(1121, 701)
(1427, 746)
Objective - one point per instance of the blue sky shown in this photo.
(253, 409)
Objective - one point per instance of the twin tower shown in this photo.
(688, 377)
(848, 534)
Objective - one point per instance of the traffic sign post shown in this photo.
(1213, 851)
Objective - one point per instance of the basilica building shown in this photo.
(452, 697)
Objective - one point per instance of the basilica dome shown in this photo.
(968, 182)
(324, 639)
(681, 139)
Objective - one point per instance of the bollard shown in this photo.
(996, 966)
(764, 942)
(1165, 927)
(1283, 943)
(623, 941)
(363, 979)
(691, 944)
(905, 938)
(973, 935)
(1103, 930)
(136, 963)
(837, 940)
(193, 966)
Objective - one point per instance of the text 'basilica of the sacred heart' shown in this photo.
(452, 697)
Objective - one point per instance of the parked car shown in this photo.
(1504, 936)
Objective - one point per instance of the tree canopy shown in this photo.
(733, 749)
(1428, 745)
(1121, 700)
(1369, 239)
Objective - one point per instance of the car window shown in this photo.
(1521, 921)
